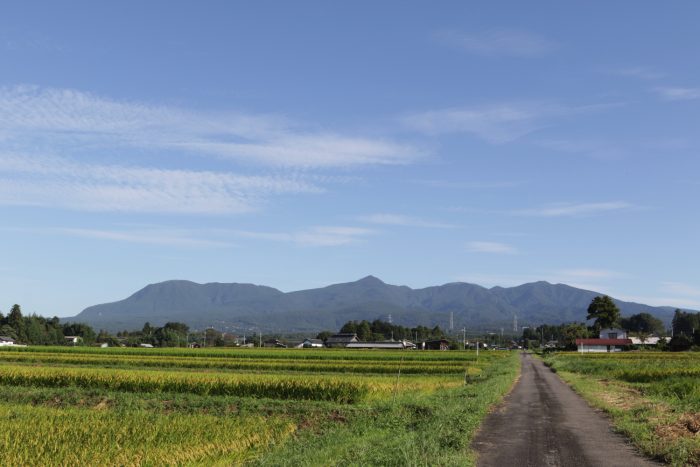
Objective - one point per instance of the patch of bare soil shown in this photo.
(685, 426)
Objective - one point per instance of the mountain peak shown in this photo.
(371, 280)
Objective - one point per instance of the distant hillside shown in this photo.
(248, 307)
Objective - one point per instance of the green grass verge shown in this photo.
(663, 424)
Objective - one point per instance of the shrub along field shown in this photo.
(123, 406)
(652, 397)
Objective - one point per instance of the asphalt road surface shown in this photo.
(543, 422)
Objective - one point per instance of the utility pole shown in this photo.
(260, 339)
(452, 321)
(464, 338)
(515, 323)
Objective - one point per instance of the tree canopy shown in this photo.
(604, 311)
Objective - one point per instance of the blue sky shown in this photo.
(298, 144)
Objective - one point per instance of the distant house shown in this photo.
(72, 340)
(312, 343)
(613, 333)
(651, 340)
(146, 346)
(436, 344)
(341, 340)
(602, 345)
(273, 343)
(194, 345)
(5, 341)
(396, 345)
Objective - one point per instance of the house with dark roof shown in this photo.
(4, 340)
(609, 340)
(312, 343)
(387, 345)
(342, 339)
(602, 345)
(436, 344)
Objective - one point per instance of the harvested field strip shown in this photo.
(308, 387)
(261, 364)
(49, 436)
(279, 354)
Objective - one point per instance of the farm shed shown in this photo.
(273, 343)
(72, 340)
(341, 340)
(4, 340)
(613, 333)
(602, 345)
(398, 345)
(437, 344)
(312, 343)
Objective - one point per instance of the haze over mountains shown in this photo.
(245, 307)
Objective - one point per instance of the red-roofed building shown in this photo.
(602, 345)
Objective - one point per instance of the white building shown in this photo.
(613, 333)
(5, 341)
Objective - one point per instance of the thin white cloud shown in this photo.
(313, 236)
(473, 185)
(662, 300)
(595, 149)
(62, 183)
(681, 288)
(636, 72)
(498, 42)
(575, 209)
(402, 220)
(490, 247)
(678, 93)
(71, 120)
(590, 273)
(496, 123)
(152, 237)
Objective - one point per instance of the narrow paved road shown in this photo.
(543, 422)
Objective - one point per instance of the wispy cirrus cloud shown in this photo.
(62, 183)
(313, 236)
(490, 247)
(496, 123)
(592, 148)
(469, 185)
(575, 209)
(165, 237)
(403, 220)
(498, 42)
(69, 120)
(584, 273)
(682, 288)
(636, 72)
(678, 93)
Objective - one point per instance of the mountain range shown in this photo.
(247, 307)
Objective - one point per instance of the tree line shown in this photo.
(602, 309)
(37, 330)
(379, 330)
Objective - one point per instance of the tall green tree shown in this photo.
(604, 311)
(643, 323)
(16, 322)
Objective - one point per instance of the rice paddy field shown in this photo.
(652, 397)
(123, 406)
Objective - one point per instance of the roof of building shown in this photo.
(603, 341)
(376, 345)
(314, 341)
(6, 339)
(343, 337)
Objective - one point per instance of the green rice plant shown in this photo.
(49, 436)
